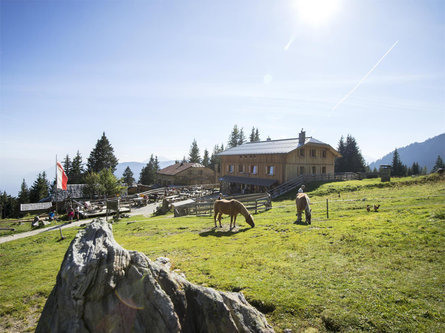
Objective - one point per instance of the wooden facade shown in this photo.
(257, 166)
(185, 174)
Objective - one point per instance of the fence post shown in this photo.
(256, 206)
(327, 208)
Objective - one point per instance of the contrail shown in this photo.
(364, 78)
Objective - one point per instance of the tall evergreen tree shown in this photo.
(76, 173)
(9, 206)
(23, 196)
(415, 169)
(398, 169)
(234, 137)
(206, 158)
(241, 137)
(438, 165)
(257, 135)
(148, 173)
(128, 176)
(340, 161)
(67, 165)
(352, 159)
(252, 135)
(40, 188)
(102, 156)
(194, 153)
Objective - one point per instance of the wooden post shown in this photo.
(327, 208)
(256, 206)
(61, 235)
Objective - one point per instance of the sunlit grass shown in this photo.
(356, 271)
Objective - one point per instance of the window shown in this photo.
(253, 169)
(270, 170)
(301, 170)
(314, 170)
(302, 152)
(323, 170)
(230, 168)
(240, 168)
(323, 154)
(313, 153)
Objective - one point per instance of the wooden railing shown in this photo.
(254, 203)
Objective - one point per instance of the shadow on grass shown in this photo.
(216, 233)
(300, 222)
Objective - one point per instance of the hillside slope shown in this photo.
(424, 153)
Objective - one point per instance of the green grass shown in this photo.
(356, 271)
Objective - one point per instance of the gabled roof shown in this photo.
(174, 169)
(283, 146)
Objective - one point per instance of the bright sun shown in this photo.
(316, 12)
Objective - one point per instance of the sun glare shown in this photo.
(316, 12)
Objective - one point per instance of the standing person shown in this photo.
(301, 189)
(77, 213)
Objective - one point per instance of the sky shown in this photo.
(154, 75)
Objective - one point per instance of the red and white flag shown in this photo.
(62, 178)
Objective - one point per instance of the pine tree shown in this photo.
(76, 173)
(148, 173)
(438, 165)
(67, 165)
(352, 159)
(398, 169)
(234, 137)
(128, 176)
(241, 137)
(40, 188)
(194, 153)
(339, 162)
(102, 156)
(9, 206)
(23, 196)
(252, 135)
(206, 158)
(415, 169)
(257, 135)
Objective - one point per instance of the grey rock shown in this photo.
(101, 287)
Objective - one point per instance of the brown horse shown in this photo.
(233, 208)
(302, 203)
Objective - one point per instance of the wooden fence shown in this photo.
(254, 203)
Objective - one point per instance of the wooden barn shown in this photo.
(259, 166)
(185, 174)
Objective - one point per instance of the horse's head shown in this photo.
(249, 220)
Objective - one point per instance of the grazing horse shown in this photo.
(302, 203)
(233, 208)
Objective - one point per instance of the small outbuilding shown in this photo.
(185, 173)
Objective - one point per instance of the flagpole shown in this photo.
(55, 193)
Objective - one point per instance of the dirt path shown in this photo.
(145, 211)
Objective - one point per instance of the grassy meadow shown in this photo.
(354, 271)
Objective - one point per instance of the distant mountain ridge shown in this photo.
(424, 153)
(136, 167)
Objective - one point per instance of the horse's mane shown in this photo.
(241, 208)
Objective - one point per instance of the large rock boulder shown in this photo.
(101, 287)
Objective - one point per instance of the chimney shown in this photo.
(302, 137)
